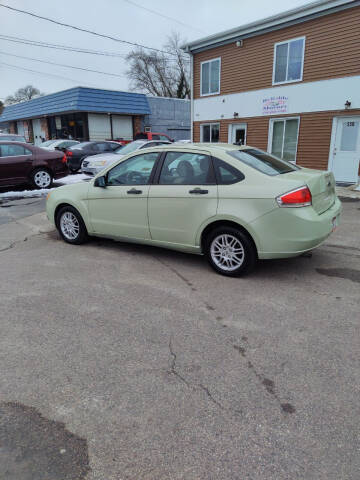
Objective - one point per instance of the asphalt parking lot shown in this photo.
(127, 362)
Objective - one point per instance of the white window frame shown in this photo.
(287, 62)
(206, 125)
(201, 64)
(270, 134)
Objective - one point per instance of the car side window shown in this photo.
(13, 150)
(103, 147)
(135, 171)
(181, 168)
(226, 174)
(155, 137)
(162, 137)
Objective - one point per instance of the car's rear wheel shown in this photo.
(230, 251)
(71, 226)
(41, 178)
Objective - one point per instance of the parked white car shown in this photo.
(58, 144)
(96, 163)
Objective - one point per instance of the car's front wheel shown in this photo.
(41, 178)
(71, 226)
(230, 251)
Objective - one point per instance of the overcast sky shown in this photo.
(119, 18)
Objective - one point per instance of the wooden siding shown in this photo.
(332, 50)
(314, 134)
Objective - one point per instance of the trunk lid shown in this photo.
(321, 185)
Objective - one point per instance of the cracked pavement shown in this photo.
(153, 367)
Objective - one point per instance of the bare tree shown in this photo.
(23, 94)
(1, 107)
(161, 74)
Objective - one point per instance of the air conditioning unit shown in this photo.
(147, 129)
(239, 43)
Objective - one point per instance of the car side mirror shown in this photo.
(100, 182)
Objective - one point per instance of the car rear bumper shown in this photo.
(61, 174)
(289, 232)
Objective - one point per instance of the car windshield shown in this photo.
(131, 147)
(48, 142)
(263, 162)
(12, 138)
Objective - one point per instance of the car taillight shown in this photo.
(64, 159)
(301, 197)
(68, 153)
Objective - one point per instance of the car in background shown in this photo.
(233, 204)
(23, 163)
(76, 154)
(153, 136)
(12, 137)
(94, 165)
(60, 144)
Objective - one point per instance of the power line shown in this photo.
(48, 74)
(37, 43)
(80, 29)
(62, 65)
(162, 15)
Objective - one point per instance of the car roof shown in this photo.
(224, 147)
(12, 142)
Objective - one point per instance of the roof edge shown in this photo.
(296, 15)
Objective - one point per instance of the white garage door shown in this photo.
(122, 127)
(99, 126)
(20, 128)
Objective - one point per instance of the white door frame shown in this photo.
(334, 129)
(230, 130)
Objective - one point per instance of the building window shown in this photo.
(283, 138)
(289, 61)
(210, 132)
(210, 77)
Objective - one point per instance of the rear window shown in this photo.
(263, 161)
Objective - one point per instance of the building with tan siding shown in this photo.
(289, 84)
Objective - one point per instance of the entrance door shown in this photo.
(346, 151)
(37, 131)
(237, 133)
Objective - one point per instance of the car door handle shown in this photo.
(199, 191)
(133, 191)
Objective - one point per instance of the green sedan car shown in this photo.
(233, 204)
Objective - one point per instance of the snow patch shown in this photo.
(68, 180)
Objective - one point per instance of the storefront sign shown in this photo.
(273, 105)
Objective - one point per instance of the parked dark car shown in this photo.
(76, 154)
(11, 137)
(22, 163)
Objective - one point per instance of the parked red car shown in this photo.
(22, 163)
(153, 136)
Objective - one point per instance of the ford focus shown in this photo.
(233, 204)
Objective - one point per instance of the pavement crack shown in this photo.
(212, 399)
(178, 274)
(13, 244)
(173, 370)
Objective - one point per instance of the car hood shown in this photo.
(104, 157)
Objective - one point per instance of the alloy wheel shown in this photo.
(227, 252)
(69, 225)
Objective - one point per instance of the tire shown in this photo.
(230, 252)
(71, 226)
(41, 178)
